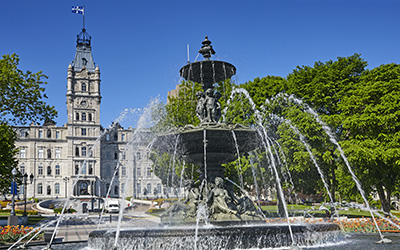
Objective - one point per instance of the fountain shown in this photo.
(211, 216)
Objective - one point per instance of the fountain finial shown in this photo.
(206, 50)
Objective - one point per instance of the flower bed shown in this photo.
(10, 234)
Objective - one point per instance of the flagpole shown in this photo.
(83, 14)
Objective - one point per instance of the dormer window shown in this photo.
(83, 87)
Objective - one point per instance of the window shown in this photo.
(148, 171)
(22, 189)
(115, 189)
(83, 151)
(22, 169)
(23, 133)
(122, 137)
(48, 170)
(57, 170)
(58, 153)
(139, 172)
(123, 156)
(40, 133)
(83, 168)
(40, 153)
(57, 188)
(158, 188)
(77, 151)
(40, 170)
(83, 131)
(48, 133)
(83, 116)
(123, 170)
(148, 188)
(138, 155)
(115, 155)
(22, 153)
(138, 188)
(40, 188)
(122, 188)
(77, 116)
(57, 134)
(83, 87)
(90, 117)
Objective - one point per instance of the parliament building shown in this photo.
(98, 161)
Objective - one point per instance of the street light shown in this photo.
(24, 179)
(13, 189)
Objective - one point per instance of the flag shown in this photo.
(14, 188)
(78, 10)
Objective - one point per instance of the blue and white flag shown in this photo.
(78, 10)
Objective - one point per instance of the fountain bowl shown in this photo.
(216, 237)
(207, 72)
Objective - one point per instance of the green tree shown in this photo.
(371, 128)
(21, 101)
(21, 94)
(8, 152)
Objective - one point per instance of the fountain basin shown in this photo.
(215, 237)
(207, 72)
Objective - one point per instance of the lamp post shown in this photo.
(24, 179)
(66, 179)
(13, 189)
(13, 219)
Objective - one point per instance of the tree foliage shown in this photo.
(21, 101)
(21, 94)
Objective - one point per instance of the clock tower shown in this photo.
(83, 108)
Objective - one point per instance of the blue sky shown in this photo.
(141, 45)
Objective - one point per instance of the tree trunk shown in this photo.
(333, 184)
(281, 208)
(385, 201)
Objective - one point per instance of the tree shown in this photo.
(21, 101)
(371, 128)
(21, 94)
(8, 152)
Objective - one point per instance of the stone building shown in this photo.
(81, 151)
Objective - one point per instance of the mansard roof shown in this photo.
(83, 55)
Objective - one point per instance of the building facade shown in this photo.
(81, 158)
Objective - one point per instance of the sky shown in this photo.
(141, 45)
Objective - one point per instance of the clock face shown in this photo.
(83, 104)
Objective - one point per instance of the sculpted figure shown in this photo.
(211, 105)
(219, 199)
(187, 207)
(200, 108)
